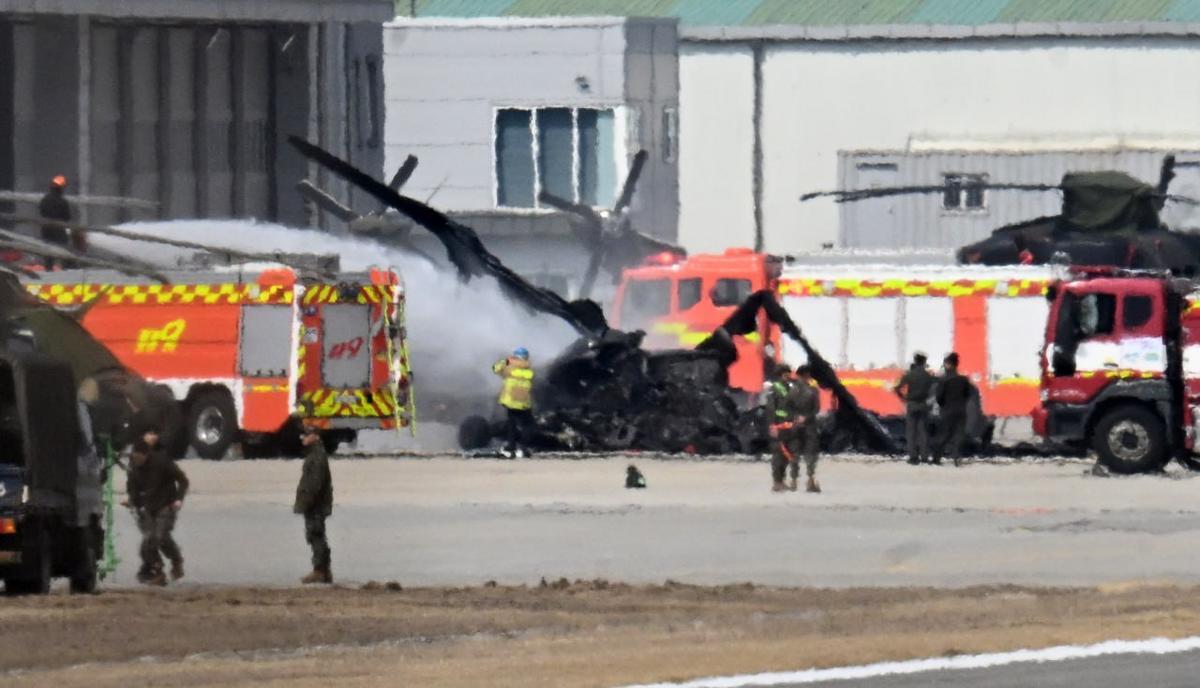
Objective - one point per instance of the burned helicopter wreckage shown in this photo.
(1108, 218)
(605, 392)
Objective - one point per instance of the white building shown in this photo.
(779, 99)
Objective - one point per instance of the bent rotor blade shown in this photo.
(178, 243)
(463, 247)
(631, 180)
(325, 202)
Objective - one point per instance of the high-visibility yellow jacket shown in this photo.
(516, 393)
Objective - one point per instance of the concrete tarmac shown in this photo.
(453, 521)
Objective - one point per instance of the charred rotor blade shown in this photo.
(402, 175)
(631, 180)
(1166, 173)
(463, 246)
(325, 202)
(178, 243)
(589, 275)
(648, 245)
(399, 179)
(591, 227)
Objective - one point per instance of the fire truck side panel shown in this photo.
(169, 341)
(266, 404)
(265, 361)
(869, 320)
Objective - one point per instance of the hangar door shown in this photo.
(183, 115)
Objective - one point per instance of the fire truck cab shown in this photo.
(246, 350)
(1120, 367)
(678, 303)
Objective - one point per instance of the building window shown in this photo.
(965, 192)
(569, 152)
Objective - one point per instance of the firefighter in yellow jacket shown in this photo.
(516, 396)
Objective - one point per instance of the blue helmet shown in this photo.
(521, 352)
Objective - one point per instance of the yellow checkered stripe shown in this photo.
(353, 403)
(331, 293)
(161, 294)
(859, 288)
(1121, 374)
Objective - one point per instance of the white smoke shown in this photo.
(456, 331)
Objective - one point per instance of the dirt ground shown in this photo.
(557, 634)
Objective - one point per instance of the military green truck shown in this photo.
(51, 500)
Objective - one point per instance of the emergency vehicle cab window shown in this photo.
(1097, 313)
(644, 301)
(688, 292)
(1138, 310)
(731, 292)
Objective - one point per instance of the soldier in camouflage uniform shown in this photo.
(314, 500)
(792, 406)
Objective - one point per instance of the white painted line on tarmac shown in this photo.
(1153, 646)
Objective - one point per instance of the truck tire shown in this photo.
(475, 432)
(38, 571)
(1130, 439)
(212, 423)
(86, 575)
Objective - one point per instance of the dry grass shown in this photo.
(579, 634)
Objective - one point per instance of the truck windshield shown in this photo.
(644, 301)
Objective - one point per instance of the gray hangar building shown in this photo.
(188, 103)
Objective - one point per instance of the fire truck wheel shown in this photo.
(212, 423)
(1130, 439)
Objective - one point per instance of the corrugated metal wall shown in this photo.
(181, 115)
(922, 221)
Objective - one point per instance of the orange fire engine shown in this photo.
(866, 319)
(242, 350)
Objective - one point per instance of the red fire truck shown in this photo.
(866, 318)
(1121, 368)
(244, 349)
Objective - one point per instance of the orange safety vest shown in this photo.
(517, 390)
